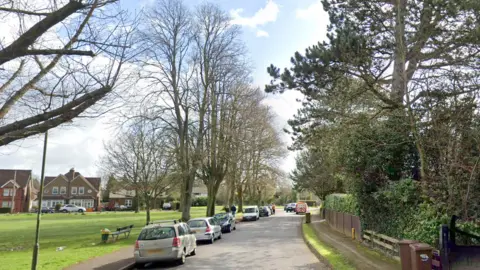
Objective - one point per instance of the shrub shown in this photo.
(345, 203)
(5, 210)
(175, 205)
(57, 207)
(200, 201)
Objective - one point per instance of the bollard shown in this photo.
(307, 217)
(421, 256)
(405, 253)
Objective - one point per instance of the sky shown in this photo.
(273, 30)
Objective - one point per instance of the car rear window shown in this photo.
(157, 233)
(197, 223)
(249, 210)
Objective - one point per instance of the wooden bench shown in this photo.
(125, 230)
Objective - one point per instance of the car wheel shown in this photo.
(182, 259)
(220, 236)
(64, 211)
(235, 228)
(80, 210)
(194, 252)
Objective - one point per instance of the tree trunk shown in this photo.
(186, 202)
(147, 206)
(240, 199)
(137, 200)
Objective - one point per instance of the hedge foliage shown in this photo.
(345, 203)
(4, 210)
(200, 201)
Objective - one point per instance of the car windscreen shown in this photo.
(197, 223)
(249, 210)
(157, 233)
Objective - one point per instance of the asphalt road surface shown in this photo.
(270, 243)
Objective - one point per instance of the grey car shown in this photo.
(164, 241)
(205, 229)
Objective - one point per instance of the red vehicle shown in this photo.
(301, 208)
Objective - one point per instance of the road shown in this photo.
(271, 243)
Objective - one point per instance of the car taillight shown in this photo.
(208, 229)
(136, 245)
(176, 242)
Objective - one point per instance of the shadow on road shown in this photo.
(116, 265)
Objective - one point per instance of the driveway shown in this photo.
(270, 243)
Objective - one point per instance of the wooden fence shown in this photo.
(344, 223)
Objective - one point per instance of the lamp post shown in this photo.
(37, 231)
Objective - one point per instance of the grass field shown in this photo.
(79, 234)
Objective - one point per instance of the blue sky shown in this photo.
(272, 30)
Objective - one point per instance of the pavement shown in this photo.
(360, 256)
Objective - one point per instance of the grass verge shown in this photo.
(79, 234)
(335, 259)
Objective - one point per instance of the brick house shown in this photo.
(17, 185)
(71, 188)
(121, 197)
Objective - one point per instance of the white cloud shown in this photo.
(312, 12)
(261, 33)
(263, 16)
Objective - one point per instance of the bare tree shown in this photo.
(141, 157)
(61, 62)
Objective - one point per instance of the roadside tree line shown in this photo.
(196, 114)
(391, 112)
(180, 76)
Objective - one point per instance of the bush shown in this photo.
(391, 209)
(200, 201)
(5, 210)
(345, 203)
(57, 207)
(175, 205)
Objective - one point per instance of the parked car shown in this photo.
(68, 208)
(301, 208)
(226, 221)
(47, 210)
(167, 241)
(251, 213)
(265, 211)
(167, 206)
(205, 229)
(291, 207)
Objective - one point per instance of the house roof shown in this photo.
(70, 175)
(22, 177)
(122, 193)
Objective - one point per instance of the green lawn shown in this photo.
(337, 261)
(79, 234)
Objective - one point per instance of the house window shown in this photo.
(128, 203)
(55, 190)
(74, 190)
(63, 190)
(81, 190)
(88, 203)
(6, 204)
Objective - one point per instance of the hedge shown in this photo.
(200, 201)
(345, 203)
(4, 210)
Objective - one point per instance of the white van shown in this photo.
(251, 213)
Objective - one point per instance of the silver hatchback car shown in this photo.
(205, 229)
(165, 241)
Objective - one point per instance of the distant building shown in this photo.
(71, 188)
(199, 189)
(17, 190)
